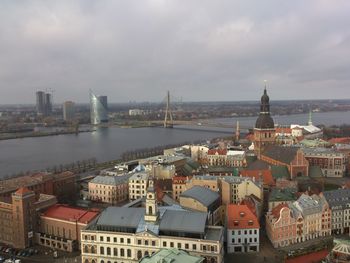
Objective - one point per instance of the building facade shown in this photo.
(242, 229)
(68, 110)
(128, 234)
(331, 162)
(138, 184)
(109, 189)
(60, 227)
(307, 218)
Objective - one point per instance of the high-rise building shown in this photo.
(48, 104)
(264, 131)
(43, 103)
(68, 110)
(40, 102)
(98, 109)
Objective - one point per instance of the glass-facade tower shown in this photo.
(98, 109)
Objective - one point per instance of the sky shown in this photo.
(199, 50)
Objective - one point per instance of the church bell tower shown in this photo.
(151, 214)
(264, 131)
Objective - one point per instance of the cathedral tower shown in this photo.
(264, 131)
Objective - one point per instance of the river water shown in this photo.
(20, 155)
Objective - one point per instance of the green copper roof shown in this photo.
(287, 194)
(171, 256)
(279, 171)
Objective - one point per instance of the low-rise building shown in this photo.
(109, 189)
(242, 229)
(124, 234)
(60, 227)
(234, 189)
(331, 162)
(18, 218)
(203, 199)
(307, 218)
(171, 255)
(138, 184)
(179, 186)
(279, 196)
(339, 202)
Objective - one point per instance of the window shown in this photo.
(153, 243)
(139, 242)
(108, 239)
(171, 244)
(115, 240)
(146, 242)
(102, 250)
(86, 249)
(93, 250)
(122, 240)
(186, 246)
(164, 244)
(233, 240)
(115, 251)
(128, 240)
(194, 246)
(122, 252)
(178, 245)
(108, 251)
(129, 253)
(101, 238)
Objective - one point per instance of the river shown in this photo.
(20, 155)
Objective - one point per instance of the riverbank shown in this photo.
(11, 136)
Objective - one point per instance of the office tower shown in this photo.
(68, 110)
(98, 109)
(48, 104)
(40, 102)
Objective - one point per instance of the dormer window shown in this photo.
(235, 223)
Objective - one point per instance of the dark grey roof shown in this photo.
(264, 121)
(337, 198)
(202, 195)
(281, 153)
(258, 165)
(183, 221)
(128, 217)
(110, 180)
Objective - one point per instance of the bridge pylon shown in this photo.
(168, 120)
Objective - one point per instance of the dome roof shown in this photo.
(264, 121)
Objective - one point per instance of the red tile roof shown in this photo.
(345, 140)
(179, 179)
(241, 217)
(68, 213)
(250, 137)
(217, 151)
(23, 191)
(265, 175)
(283, 130)
(277, 210)
(250, 204)
(309, 258)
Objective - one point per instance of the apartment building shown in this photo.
(242, 229)
(307, 218)
(331, 162)
(109, 189)
(138, 183)
(339, 202)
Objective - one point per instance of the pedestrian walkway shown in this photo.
(309, 258)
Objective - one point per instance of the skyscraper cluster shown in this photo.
(43, 103)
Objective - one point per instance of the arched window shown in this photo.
(102, 250)
(150, 210)
(93, 261)
(86, 249)
(122, 252)
(139, 254)
(86, 261)
(129, 253)
(115, 251)
(102, 261)
(146, 253)
(93, 251)
(108, 251)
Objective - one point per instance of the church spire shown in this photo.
(310, 118)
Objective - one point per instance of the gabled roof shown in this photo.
(128, 217)
(277, 210)
(264, 175)
(241, 217)
(202, 194)
(23, 191)
(217, 151)
(110, 180)
(281, 153)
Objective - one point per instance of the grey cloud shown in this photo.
(200, 50)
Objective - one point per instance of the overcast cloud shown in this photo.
(135, 50)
